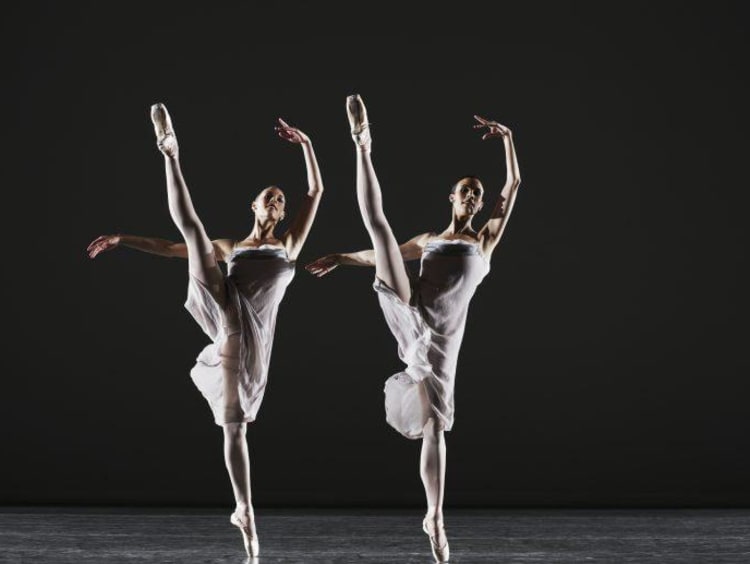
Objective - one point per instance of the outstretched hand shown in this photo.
(291, 134)
(323, 265)
(494, 129)
(102, 243)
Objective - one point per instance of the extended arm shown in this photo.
(492, 231)
(295, 236)
(152, 245)
(410, 250)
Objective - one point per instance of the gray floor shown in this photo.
(74, 535)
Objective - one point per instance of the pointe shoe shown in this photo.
(360, 127)
(165, 137)
(440, 553)
(242, 522)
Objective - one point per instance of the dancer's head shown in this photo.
(466, 196)
(270, 204)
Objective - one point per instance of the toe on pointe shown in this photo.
(360, 127)
(157, 110)
(165, 137)
(160, 117)
(356, 111)
(252, 546)
(440, 553)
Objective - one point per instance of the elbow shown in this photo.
(173, 251)
(516, 183)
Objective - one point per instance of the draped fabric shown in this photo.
(429, 331)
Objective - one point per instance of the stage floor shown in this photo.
(105, 535)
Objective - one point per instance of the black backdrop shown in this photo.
(604, 361)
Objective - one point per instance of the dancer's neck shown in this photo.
(262, 232)
(460, 226)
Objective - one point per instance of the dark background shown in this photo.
(605, 357)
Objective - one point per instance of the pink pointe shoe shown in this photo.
(243, 523)
(165, 137)
(360, 127)
(440, 553)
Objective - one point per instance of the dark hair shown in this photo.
(469, 176)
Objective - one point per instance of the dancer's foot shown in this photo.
(165, 137)
(435, 529)
(245, 522)
(360, 127)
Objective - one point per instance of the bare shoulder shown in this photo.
(223, 248)
(422, 239)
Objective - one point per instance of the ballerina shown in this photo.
(237, 310)
(428, 317)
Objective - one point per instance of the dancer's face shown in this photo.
(270, 204)
(467, 196)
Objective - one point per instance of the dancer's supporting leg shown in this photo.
(432, 471)
(203, 265)
(236, 456)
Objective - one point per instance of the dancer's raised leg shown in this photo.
(389, 265)
(201, 259)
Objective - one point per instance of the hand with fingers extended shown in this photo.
(494, 129)
(103, 243)
(291, 134)
(323, 265)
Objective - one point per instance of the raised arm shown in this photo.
(410, 250)
(490, 234)
(152, 245)
(294, 238)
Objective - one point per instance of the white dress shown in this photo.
(429, 331)
(255, 285)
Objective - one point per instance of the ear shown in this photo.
(253, 206)
(451, 197)
(480, 206)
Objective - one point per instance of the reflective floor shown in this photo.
(101, 535)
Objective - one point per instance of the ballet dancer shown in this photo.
(237, 310)
(427, 317)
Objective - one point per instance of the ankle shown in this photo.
(244, 509)
(434, 514)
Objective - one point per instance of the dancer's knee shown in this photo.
(234, 431)
(378, 228)
(432, 430)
